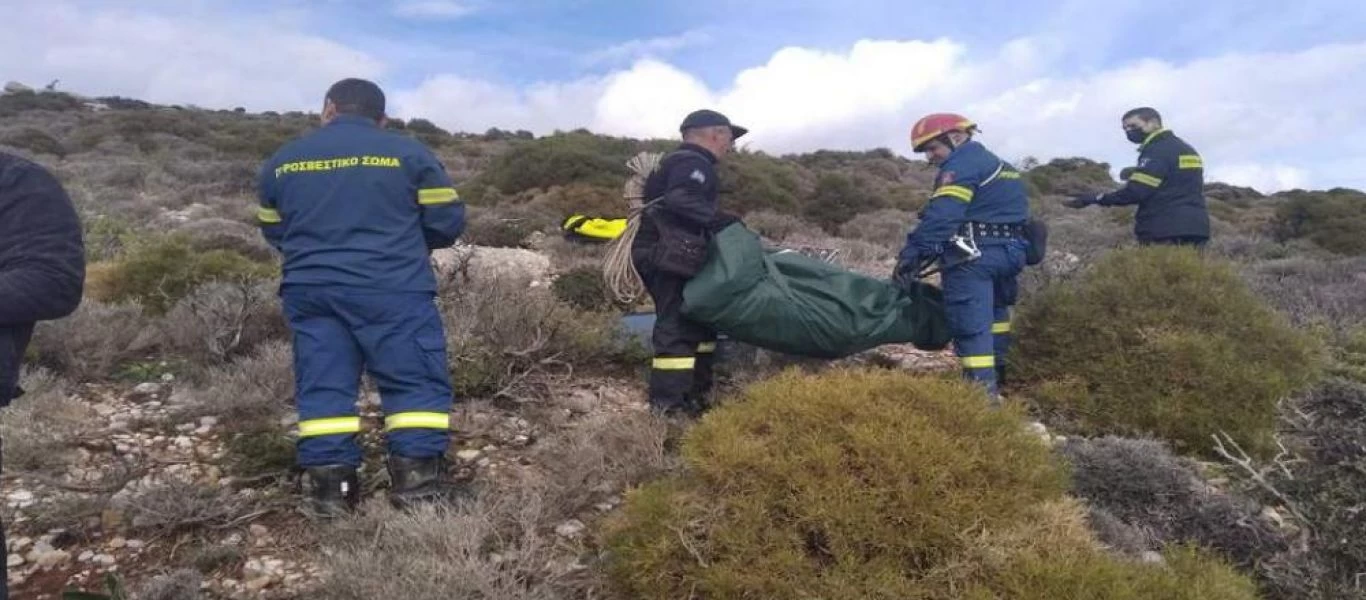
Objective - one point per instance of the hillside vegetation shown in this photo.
(1178, 426)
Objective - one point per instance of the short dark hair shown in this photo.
(1145, 113)
(354, 96)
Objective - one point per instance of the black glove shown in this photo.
(1082, 200)
(907, 271)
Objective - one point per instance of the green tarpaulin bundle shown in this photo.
(787, 302)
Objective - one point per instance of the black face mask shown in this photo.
(1135, 135)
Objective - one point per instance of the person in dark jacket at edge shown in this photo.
(355, 210)
(42, 270)
(1167, 184)
(681, 374)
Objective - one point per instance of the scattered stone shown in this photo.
(86, 556)
(147, 389)
(467, 455)
(21, 499)
(258, 530)
(105, 559)
(570, 529)
(136, 544)
(14, 560)
(117, 542)
(52, 558)
(208, 421)
(259, 583)
(1152, 558)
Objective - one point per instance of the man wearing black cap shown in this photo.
(684, 194)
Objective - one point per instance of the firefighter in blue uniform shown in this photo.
(974, 226)
(355, 211)
(1167, 184)
(685, 185)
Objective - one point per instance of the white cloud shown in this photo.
(1271, 120)
(649, 48)
(432, 9)
(260, 64)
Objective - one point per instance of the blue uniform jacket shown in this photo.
(1168, 186)
(973, 185)
(352, 204)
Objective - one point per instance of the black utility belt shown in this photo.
(995, 230)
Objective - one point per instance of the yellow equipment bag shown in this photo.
(593, 228)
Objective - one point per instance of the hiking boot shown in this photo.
(333, 490)
(415, 481)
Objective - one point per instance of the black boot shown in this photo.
(333, 490)
(414, 481)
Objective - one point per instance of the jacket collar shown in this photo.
(698, 149)
(1152, 136)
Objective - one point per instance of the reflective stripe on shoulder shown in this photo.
(1190, 161)
(269, 216)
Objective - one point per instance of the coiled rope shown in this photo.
(618, 270)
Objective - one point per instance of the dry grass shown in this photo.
(253, 390)
(91, 342)
(175, 505)
(40, 427)
(218, 321)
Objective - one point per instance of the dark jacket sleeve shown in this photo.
(443, 213)
(687, 194)
(42, 252)
(1153, 167)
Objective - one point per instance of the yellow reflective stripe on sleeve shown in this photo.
(706, 347)
(417, 420)
(955, 191)
(268, 216)
(436, 196)
(1145, 179)
(329, 426)
(675, 364)
(979, 362)
(1190, 161)
(1010, 175)
(1002, 327)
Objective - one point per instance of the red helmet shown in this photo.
(932, 126)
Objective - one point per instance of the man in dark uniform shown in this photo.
(1167, 184)
(356, 210)
(42, 268)
(685, 185)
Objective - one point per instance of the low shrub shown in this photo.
(1159, 499)
(218, 321)
(34, 140)
(1335, 219)
(874, 485)
(41, 427)
(779, 227)
(887, 227)
(158, 272)
(1158, 341)
(837, 199)
(92, 342)
(583, 288)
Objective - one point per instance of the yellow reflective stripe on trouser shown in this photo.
(706, 347)
(979, 362)
(417, 420)
(436, 196)
(955, 191)
(268, 216)
(675, 364)
(329, 426)
(1190, 161)
(1145, 179)
(1001, 327)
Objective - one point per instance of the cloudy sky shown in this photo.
(1273, 94)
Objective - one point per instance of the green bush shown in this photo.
(160, 271)
(583, 288)
(1335, 220)
(560, 160)
(753, 181)
(1070, 176)
(13, 103)
(1158, 341)
(837, 199)
(859, 484)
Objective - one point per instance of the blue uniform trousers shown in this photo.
(978, 296)
(399, 339)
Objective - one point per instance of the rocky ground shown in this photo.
(148, 490)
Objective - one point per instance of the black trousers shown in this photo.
(682, 372)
